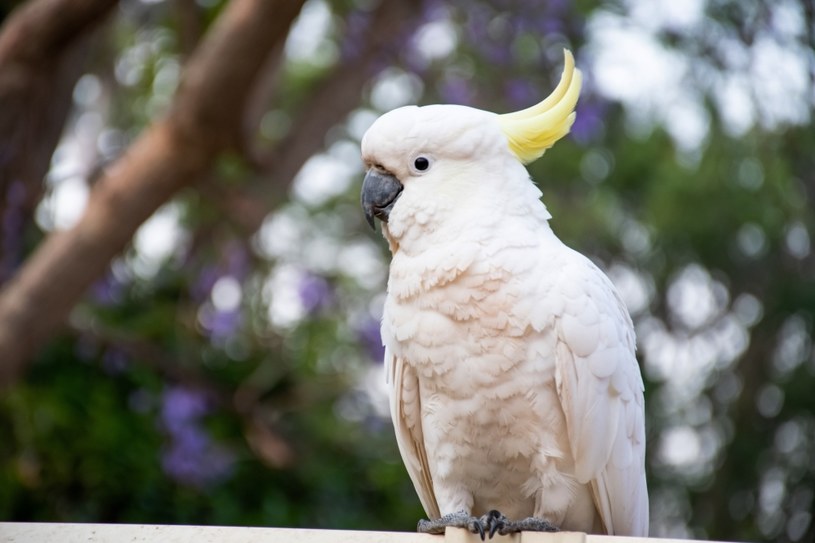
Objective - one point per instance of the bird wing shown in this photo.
(601, 392)
(406, 410)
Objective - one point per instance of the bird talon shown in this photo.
(490, 521)
(477, 527)
(459, 519)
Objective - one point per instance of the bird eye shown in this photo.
(421, 163)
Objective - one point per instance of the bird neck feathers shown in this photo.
(490, 208)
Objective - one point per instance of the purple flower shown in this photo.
(496, 53)
(193, 459)
(315, 293)
(107, 291)
(521, 93)
(202, 286)
(356, 26)
(415, 62)
(235, 262)
(191, 456)
(220, 325)
(550, 25)
(558, 6)
(371, 339)
(181, 406)
(238, 263)
(433, 10)
(114, 361)
(588, 124)
(475, 27)
(456, 90)
(16, 193)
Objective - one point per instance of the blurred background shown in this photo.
(189, 314)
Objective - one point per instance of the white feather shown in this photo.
(514, 384)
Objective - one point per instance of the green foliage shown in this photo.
(173, 398)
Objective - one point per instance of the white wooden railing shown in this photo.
(13, 532)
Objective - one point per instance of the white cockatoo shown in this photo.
(514, 388)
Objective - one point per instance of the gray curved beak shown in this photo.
(380, 191)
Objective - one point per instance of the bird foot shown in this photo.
(503, 526)
(461, 519)
(485, 525)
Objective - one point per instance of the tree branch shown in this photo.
(54, 23)
(329, 103)
(190, 25)
(342, 90)
(43, 46)
(204, 119)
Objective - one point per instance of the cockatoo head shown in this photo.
(435, 151)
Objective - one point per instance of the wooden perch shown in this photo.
(115, 533)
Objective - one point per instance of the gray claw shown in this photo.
(495, 521)
(461, 519)
(477, 527)
(491, 523)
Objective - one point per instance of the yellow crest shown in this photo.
(533, 130)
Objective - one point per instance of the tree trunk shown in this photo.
(204, 119)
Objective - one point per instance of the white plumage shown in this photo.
(510, 357)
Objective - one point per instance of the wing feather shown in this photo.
(601, 392)
(406, 410)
